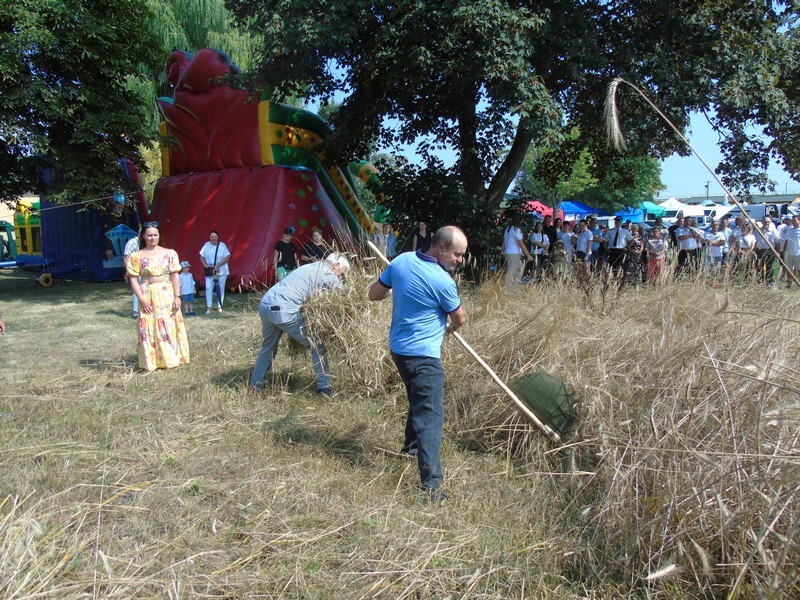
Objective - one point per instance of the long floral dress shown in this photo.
(162, 335)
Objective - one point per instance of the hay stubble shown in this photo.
(680, 478)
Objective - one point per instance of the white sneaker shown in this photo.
(219, 309)
(208, 311)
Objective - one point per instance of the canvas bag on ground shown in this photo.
(549, 398)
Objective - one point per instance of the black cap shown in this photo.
(288, 230)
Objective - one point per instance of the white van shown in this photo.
(715, 213)
(758, 211)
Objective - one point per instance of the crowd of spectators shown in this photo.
(648, 253)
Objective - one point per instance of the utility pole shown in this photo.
(707, 184)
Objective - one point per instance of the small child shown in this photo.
(187, 290)
(559, 259)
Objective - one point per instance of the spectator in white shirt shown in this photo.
(744, 250)
(132, 246)
(540, 244)
(583, 247)
(767, 240)
(617, 240)
(715, 241)
(688, 247)
(791, 249)
(787, 222)
(513, 251)
(566, 236)
(736, 230)
(726, 231)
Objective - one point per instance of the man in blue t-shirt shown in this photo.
(423, 295)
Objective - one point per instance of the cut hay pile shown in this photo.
(683, 471)
(354, 331)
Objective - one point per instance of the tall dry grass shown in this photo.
(680, 478)
(684, 464)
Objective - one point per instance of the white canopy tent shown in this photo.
(672, 204)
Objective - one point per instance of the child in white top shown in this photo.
(187, 289)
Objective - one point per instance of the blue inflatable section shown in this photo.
(85, 244)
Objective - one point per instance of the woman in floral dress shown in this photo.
(162, 336)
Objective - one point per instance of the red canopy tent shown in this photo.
(541, 209)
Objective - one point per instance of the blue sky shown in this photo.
(686, 176)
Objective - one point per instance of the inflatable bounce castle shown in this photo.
(247, 169)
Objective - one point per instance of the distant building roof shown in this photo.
(756, 199)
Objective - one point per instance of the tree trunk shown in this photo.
(511, 165)
(470, 163)
(555, 203)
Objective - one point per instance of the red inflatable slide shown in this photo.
(220, 164)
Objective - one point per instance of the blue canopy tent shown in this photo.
(636, 215)
(574, 210)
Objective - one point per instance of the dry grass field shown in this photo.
(681, 478)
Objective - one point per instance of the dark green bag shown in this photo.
(549, 399)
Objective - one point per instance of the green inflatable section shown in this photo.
(284, 114)
(285, 155)
(298, 117)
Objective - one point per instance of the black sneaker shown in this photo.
(409, 453)
(327, 392)
(436, 495)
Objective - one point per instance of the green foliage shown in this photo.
(556, 171)
(427, 66)
(553, 175)
(479, 75)
(735, 61)
(433, 193)
(78, 82)
(627, 182)
(195, 24)
(69, 93)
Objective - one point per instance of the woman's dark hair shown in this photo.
(213, 231)
(145, 226)
(516, 221)
(537, 224)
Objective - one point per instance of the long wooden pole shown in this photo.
(548, 431)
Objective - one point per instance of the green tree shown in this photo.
(425, 65)
(556, 172)
(627, 182)
(195, 24)
(187, 25)
(478, 75)
(69, 98)
(736, 62)
(78, 82)
(553, 175)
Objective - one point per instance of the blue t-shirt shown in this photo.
(423, 294)
(597, 232)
